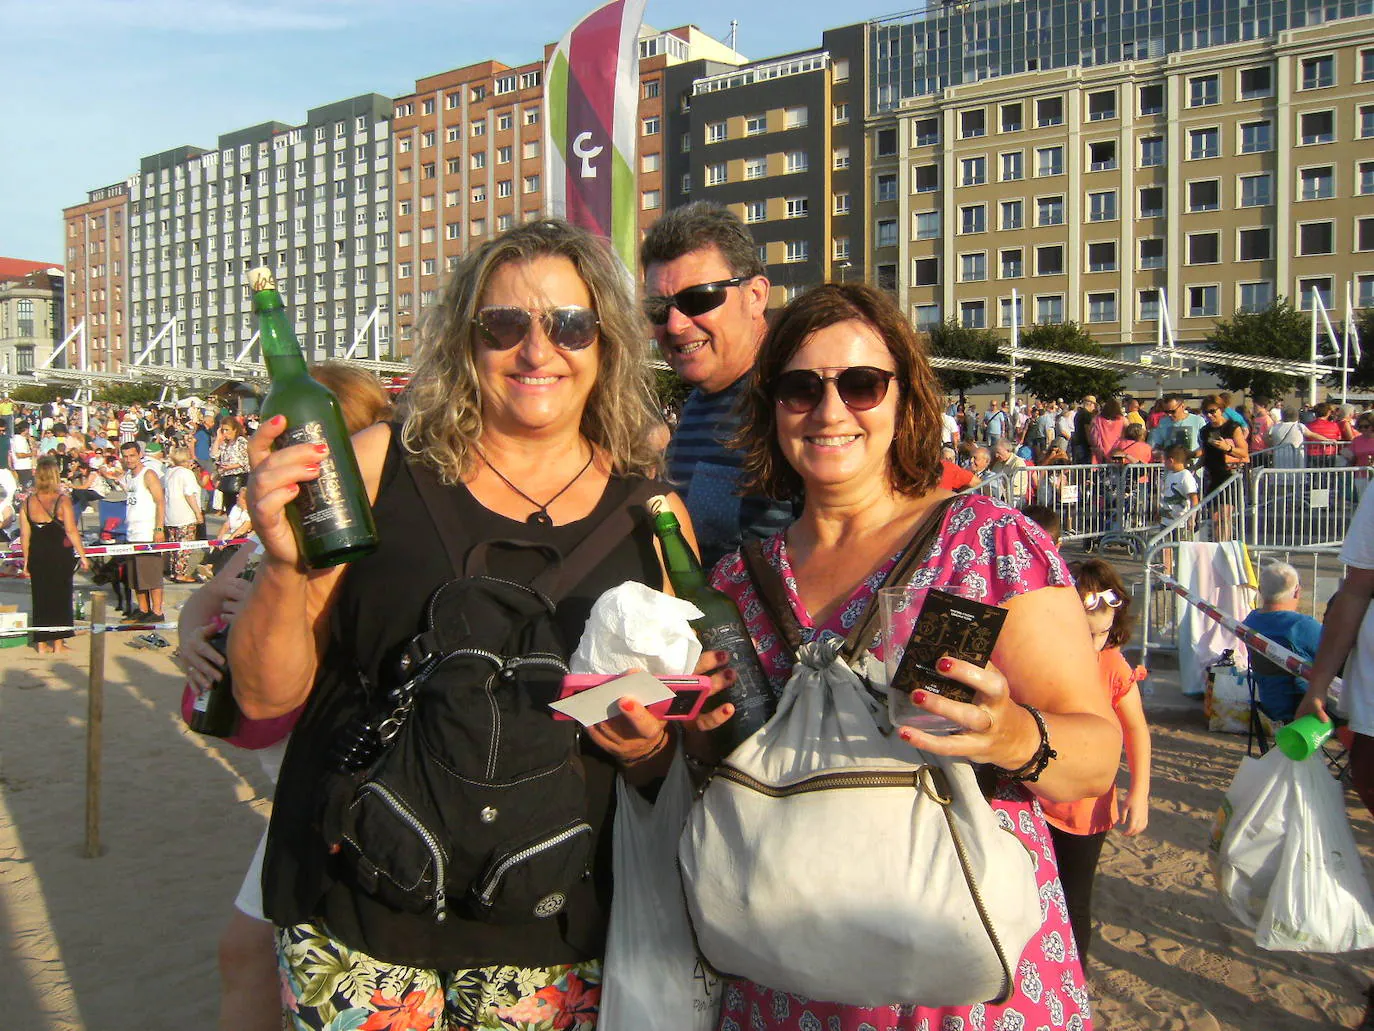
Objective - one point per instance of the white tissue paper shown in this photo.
(636, 627)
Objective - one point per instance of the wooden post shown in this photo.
(95, 723)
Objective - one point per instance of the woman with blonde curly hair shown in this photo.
(527, 423)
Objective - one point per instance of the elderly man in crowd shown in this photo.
(1278, 619)
(1006, 461)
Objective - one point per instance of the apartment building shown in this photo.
(96, 258)
(31, 319)
(469, 158)
(312, 201)
(1213, 166)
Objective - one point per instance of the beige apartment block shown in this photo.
(1225, 177)
(96, 236)
(30, 318)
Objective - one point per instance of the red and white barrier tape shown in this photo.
(99, 628)
(139, 549)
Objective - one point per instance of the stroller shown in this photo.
(110, 569)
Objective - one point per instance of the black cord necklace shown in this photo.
(541, 516)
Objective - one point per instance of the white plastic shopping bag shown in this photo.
(653, 979)
(1285, 860)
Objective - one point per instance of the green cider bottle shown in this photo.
(331, 516)
(722, 628)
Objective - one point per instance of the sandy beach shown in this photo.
(128, 939)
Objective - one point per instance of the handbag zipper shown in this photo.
(489, 885)
(436, 852)
(823, 781)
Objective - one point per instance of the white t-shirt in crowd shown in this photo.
(21, 453)
(1173, 495)
(950, 428)
(178, 483)
(1357, 697)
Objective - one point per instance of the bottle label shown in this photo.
(201, 702)
(321, 504)
(751, 689)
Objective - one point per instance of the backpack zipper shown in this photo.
(436, 851)
(823, 781)
(494, 878)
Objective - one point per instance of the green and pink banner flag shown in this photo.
(592, 90)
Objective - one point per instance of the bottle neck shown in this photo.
(684, 571)
(280, 350)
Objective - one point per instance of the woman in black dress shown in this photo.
(52, 542)
(1224, 450)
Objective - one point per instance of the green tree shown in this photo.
(1362, 375)
(1049, 380)
(128, 393)
(670, 389)
(1279, 331)
(36, 394)
(949, 339)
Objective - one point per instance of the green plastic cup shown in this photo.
(1302, 737)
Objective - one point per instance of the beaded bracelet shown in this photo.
(652, 753)
(1035, 765)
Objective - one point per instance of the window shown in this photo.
(1204, 195)
(1318, 72)
(427, 139)
(1049, 310)
(973, 314)
(454, 166)
(795, 118)
(1317, 127)
(715, 132)
(1364, 289)
(886, 183)
(1318, 284)
(715, 174)
(755, 211)
(1204, 143)
(1318, 183)
(1049, 260)
(925, 316)
(651, 126)
(796, 250)
(972, 123)
(1049, 161)
(1255, 296)
(1102, 307)
(649, 90)
(973, 171)
(1011, 118)
(887, 232)
(649, 162)
(1365, 173)
(1316, 237)
(1011, 264)
(1101, 105)
(798, 207)
(479, 196)
(840, 158)
(1152, 252)
(479, 128)
(755, 168)
(973, 268)
(1256, 137)
(1147, 301)
(925, 178)
(651, 199)
(1365, 121)
(1367, 65)
(532, 116)
(1203, 301)
(1151, 151)
(503, 155)
(839, 113)
(839, 70)
(1049, 111)
(1013, 166)
(841, 248)
(1152, 99)
(453, 134)
(1012, 214)
(796, 161)
(1102, 256)
(479, 160)
(925, 132)
(504, 188)
(926, 225)
(1256, 82)
(1364, 234)
(1204, 248)
(1255, 244)
(1102, 206)
(973, 218)
(1257, 190)
(842, 202)
(1049, 211)
(1204, 90)
(925, 272)
(885, 143)
(755, 125)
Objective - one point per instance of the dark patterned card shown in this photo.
(947, 625)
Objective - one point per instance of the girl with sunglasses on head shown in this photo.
(526, 424)
(843, 411)
(1079, 828)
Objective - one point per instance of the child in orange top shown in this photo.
(1079, 828)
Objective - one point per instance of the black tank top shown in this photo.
(378, 609)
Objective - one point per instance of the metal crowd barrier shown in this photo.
(1304, 508)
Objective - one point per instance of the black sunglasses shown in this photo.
(690, 300)
(571, 328)
(861, 387)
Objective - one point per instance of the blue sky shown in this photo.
(93, 85)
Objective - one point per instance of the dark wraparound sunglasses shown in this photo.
(571, 328)
(691, 300)
(860, 387)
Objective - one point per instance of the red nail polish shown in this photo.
(278, 420)
(904, 734)
(322, 448)
(945, 664)
(918, 697)
(627, 705)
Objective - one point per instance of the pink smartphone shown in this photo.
(689, 693)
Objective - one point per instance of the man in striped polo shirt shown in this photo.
(707, 292)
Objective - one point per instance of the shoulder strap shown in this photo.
(771, 594)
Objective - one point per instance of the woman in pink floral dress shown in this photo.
(843, 412)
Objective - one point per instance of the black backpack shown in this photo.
(477, 798)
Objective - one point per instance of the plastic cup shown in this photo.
(1302, 737)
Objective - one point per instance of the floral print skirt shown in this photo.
(326, 986)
